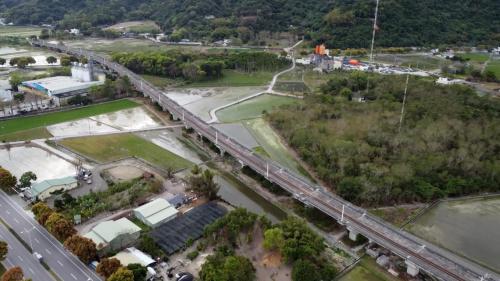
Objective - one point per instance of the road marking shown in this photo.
(60, 263)
(31, 270)
(16, 220)
(72, 275)
(48, 252)
(7, 211)
(20, 258)
(36, 240)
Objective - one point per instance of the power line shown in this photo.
(404, 102)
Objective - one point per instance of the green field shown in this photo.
(367, 270)
(30, 134)
(114, 147)
(272, 146)
(232, 78)
(31, 122)
(494, 65)
(475, 57)
(20, 31)
(162, 82)
(253, 108)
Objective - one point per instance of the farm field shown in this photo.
(114, 147)
(31, 122)
(494, 65)
(135, 26)
(467, 227)
(232, 78)
(253, 108)
(367, 270)
(19, 31)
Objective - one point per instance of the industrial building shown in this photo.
(132, 255)
(60, 88)
(44, 189)
(114, 235)
(156, 212)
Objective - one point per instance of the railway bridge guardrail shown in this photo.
(419, 254)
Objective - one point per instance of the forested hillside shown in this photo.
(341, 24)
(449, 144)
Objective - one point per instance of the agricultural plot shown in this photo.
(494, 65)
(291, 87)
(26, 123)
(202, 101)
(253, 108)
(114, 147)
(466, 227)
(19, 160)
(19, 31)
(146, 26)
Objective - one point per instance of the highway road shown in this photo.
(430, 258)
(19, 256)
(63, 263)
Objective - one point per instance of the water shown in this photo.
(470, 228)
(44, 164)
(240, 195)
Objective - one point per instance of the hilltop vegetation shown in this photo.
(340, 24)
(448, 145)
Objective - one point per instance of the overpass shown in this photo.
(417, 253)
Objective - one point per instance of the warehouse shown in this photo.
(114, 235)
(46, 188)
(156, 212)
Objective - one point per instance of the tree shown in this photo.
(350, 189)
(59, 226)
(4, 249)
(122, 274)
(51, 59)
(13, 274)
(26, 178)
(84, 248)
(204, 184)
(139, 271)
(21, 62)
(19, 98)
(44, 34)
(108, 266)
(3, 61)
(273, 239)
(7, 180)
(304, 270)
(238, 268)
(42, 212)
(15, 79)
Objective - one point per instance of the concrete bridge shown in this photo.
(419, 255)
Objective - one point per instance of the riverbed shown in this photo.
(470, 228)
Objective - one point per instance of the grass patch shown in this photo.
(397, 215)
(232, 78)
(140, 224)
(162, 82)
(115, 147)
(31, 134)
(19, 31)
(475, 57)
(261, 151)
(494, 65)
(367, 270)
(253, 108)
(30, 122)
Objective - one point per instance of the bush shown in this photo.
(192, 255)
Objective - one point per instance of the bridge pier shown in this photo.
(241, 163)
(222, 151)
(411, 268)
(353, 234)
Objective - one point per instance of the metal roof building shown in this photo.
(43, 190)
(156, 212)
(114, 235)
(133, 255)
(173, 235)
(57, 85)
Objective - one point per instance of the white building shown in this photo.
(156, 212)
(74, 31)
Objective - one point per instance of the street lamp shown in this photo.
(29, 235)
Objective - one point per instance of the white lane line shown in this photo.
(16, 220)
(29, 220)
(60, 263)
(48, 252)
(20, 258)
(29, 268)
(36, 240)
(72, 275)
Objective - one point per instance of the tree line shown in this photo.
(447, 145)
(192, 67)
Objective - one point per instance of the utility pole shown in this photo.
(404, 102)
(342, 218)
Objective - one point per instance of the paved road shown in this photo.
(63, 263)
(430, 258)
(19, 256)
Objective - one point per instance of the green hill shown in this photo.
(341, 23)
